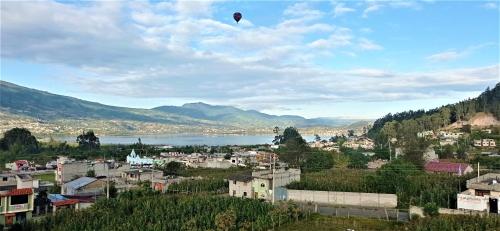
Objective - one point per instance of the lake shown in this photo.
(186, 139)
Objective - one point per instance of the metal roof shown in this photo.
(80, 182)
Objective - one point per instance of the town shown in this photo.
(34, 190)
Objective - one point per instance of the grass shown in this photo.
(49, 176)
(319, 223)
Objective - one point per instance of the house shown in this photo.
(450, 135)
(447, 141)
(18, 165)
(259, 185)
(425, 134)
(241, 186)
(16, 206)
(482, 194)
(430, 154)
(84, 186)
(137, 175)
(69, 169)
(18, 181)
(448, 167)
(135, 160)
(485, 143)
(262, 182)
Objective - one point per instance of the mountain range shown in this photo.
(21, 103)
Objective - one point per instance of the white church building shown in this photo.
(135, 160)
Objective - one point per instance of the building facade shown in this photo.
(482, 194)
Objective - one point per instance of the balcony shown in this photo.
(19, 207)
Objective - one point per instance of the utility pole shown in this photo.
(477, 171)
(390, 150)
(107, 176)
(274, 169)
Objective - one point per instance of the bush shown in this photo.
(431, 209)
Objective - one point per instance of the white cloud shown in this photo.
(340, 9)
(371, 8)
(490, 5)
(444, 56)
(303, 10)
(138, 50)
(366, 44)
(451, 55)
(341, 37)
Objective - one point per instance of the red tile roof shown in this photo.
(66, 202)
(18, 192)
(446, 167)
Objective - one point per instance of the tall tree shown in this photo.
(88, 140)
(21, 138)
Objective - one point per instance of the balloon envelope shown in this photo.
(237, 16)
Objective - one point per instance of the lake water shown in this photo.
(183, 139)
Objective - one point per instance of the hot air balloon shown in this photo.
(237, 16)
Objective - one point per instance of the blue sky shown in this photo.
(355, 59)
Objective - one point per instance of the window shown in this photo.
(234, 181)
(244, 194)
(4, 178)
(234, 192)
(22, 199)
(262, 185)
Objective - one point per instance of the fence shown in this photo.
(375, 213)
(419, 211)
(343, 198)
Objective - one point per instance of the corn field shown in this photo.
(146, 210)
(415, 188)
(211, 186)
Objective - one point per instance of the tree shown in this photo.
(317, 138)
(350, 133)
(172, 168)
(20, 137)
(90, 173)
(226, 220)
(318, 160)
(341, 161)
(88, 140)
(292, 133)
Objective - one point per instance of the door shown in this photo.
(493, 205)
(9, 219)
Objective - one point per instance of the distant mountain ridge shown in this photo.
(41, 105)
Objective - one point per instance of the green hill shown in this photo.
(44, 106)
(408, 123)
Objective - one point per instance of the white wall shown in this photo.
(471, 202)
(344, 198)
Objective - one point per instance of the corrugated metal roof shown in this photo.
(446, 167)
(80, 182)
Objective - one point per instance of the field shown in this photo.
(411, 186)
(148, 210)
(324, 223)
(214, 172)
(49, 176)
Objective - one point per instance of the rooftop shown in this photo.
(80, 182)
(489, 181)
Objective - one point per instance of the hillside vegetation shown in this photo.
(20, 105)
(405, 125)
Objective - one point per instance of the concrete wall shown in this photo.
(415, 210)
(344, 198)
(472, 202)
